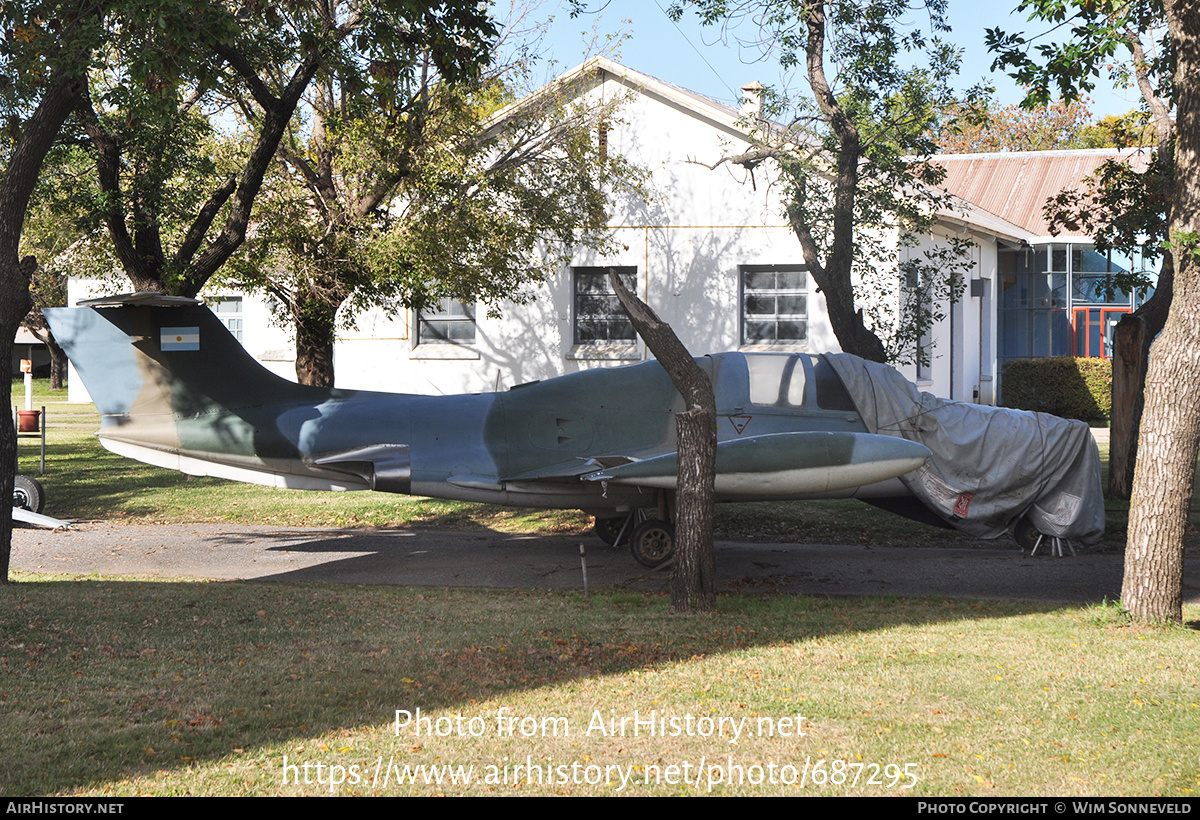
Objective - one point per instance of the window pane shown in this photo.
(621, 329)
(775, 380)
(1010, 292)
(460, 332)
(229, 310)
(760, 281)
(592, 283)
(599, 315)
(831, 393)
(791, 330)
(759, 332)
(1058, 292)
(790, 280)
(792, 305)
(760, 305)
(449, 321)
(774, 306)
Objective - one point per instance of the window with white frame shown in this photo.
(774, 305)
(600, 318)
(447, 322)
(229, 311)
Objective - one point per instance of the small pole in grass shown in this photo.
(583, 563)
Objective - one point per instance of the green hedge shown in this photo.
(1067, 387)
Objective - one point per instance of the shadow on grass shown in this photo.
(85, 481)
(103, 681)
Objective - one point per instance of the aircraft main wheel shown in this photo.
(652, 543)
(28, 494)
(1026, 534)
(607, 529)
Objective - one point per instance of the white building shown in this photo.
(711, 254)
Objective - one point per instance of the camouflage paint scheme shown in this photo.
(600, 440)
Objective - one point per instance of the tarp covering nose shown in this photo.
(990, 465)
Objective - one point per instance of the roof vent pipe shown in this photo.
(752, 94)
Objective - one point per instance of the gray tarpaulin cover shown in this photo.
(990, 465)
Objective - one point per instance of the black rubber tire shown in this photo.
(28, 494)
(607, 529)
(1025, 534)
(652, 543)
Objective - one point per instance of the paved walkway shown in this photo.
(488, 559)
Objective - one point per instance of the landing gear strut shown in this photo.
(615, 530)
(649, 533)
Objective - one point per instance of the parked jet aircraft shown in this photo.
(175, 389)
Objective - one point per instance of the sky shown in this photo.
(701, 59)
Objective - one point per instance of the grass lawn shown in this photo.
(128, 687)
(139, 687)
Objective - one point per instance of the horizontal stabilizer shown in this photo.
(151, 298)
(386, 468)
(785, 464)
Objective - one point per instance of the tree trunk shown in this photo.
(314, 351)
(835, 276)
(693, 579)
(1128, 382)
(694, 576)
(1131, 359)
(1134, 334)
(37, 134)
(1152, 589)
(314, 306)
(58, 364)
(14, 284)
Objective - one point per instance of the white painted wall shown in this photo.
(687, 244)
(963, 361)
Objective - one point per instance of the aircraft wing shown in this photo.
(783, 464)
(570, 470)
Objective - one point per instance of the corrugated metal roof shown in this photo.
(1015, 185)
(1007, 191)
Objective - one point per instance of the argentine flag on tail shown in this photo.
(180, 338)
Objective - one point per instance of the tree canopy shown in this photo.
(175, 207)
(850, 155)
(463, 195)
(986, 127)
(132, 74)
(1124, 208)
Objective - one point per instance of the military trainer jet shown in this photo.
(176, 390)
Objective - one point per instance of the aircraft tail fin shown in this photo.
(145, 355)
(175, 389)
